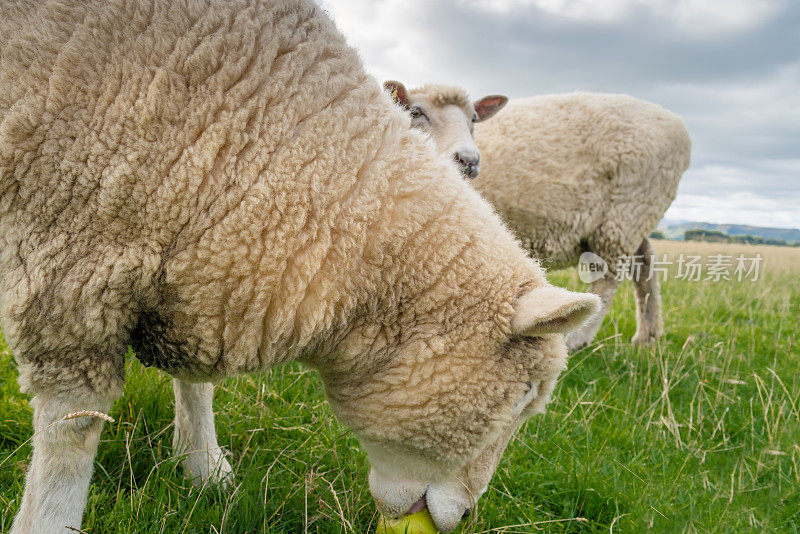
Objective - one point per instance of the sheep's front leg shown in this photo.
(195, 438)
(605, 288)
(57, 482)
(648, 299)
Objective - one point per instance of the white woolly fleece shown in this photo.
(222, 186)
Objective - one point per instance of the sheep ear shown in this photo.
(487, 106)
(398, 92)
(552, 310)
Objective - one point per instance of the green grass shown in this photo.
(698, 433)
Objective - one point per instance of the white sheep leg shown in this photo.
(605, 288)
(195, 437)
(648, 299)
(57, 482)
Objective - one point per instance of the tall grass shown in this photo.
(698, 433)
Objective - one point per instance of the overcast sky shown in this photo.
(730, 68)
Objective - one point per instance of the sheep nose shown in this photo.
(468, 158)
(466, 513)
(470, 163)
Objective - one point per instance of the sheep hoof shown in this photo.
(208, 469)
(643, 339)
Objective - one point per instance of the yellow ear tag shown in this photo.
(419, 523)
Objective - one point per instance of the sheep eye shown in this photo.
(417, 113)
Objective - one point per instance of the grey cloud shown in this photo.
(640, 47)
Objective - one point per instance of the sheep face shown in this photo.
(436, 417)
(448, 116)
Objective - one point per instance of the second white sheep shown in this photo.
(570, 173)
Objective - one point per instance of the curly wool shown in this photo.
(223, 188)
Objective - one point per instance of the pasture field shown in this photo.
(699, 433)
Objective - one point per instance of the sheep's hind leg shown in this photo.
(195, 438)
(57, 482)
(605, 288)
(648, 299)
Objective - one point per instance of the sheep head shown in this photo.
(437, 410)
(448, 116)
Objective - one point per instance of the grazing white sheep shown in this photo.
(570, 173)
(221, 186)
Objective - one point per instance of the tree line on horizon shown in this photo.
(715, 236)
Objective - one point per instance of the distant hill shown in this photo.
(676, 230)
